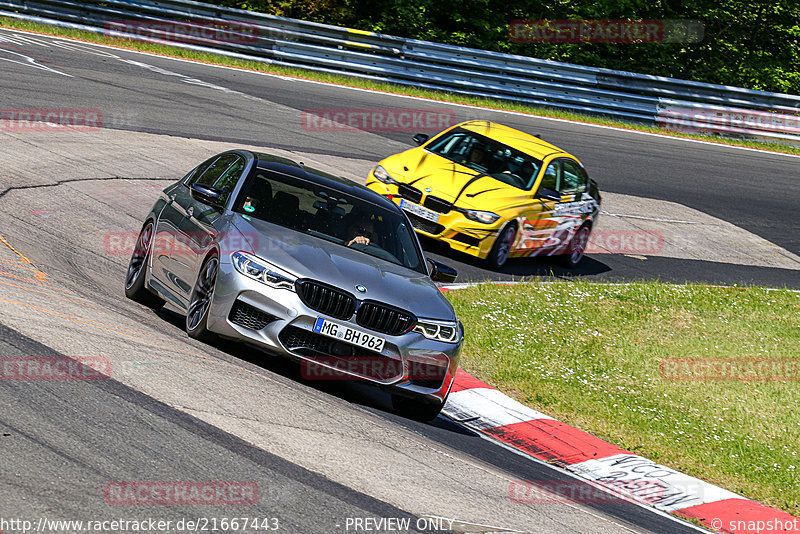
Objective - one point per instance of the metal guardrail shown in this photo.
(676, 104)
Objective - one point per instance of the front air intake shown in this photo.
(248, 316)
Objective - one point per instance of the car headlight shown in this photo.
(263, 271)
(485, 217)
(446, 331)
(383, 176)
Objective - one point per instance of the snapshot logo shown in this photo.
(709, 121)
(178, 244)
(376, 120)
(576, 491)
(197, 31)
(50, 119)
(179, 493)
(730, 369)
(370, 368)
(786, 523)
(605, 31)
(54, 368)
(641, 242)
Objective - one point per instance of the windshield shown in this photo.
(488, 157)
(331, 215)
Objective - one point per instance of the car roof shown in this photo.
(272, 162)
(521, 141)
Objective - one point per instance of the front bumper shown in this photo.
(276, 320)
(453, 228)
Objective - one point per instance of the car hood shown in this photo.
(307, 256)
(449, 180)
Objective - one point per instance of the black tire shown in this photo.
(416, 409)
(577, 248)
(135, 288)
(498, 256)
(200, 301)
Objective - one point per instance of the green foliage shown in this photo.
(747, 43)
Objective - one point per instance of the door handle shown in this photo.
(171, 199)
(190, 212)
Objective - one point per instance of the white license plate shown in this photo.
(419, 211)
(348, 335)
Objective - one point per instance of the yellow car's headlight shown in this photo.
(383, 176)
(485, 217)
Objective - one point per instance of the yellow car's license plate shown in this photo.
(348, 335)
(419, 211)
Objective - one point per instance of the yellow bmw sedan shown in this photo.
(493, 192)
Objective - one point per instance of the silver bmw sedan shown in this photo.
(261, 249)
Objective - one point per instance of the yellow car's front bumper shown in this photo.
(453, 228)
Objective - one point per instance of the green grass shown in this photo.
(442, 96)
(588, 354)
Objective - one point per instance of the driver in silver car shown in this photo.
(361, 230)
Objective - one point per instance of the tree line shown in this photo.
(746, 43)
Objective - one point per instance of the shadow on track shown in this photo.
(472, 269)
(352, 391)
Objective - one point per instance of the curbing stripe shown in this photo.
(739, 516)
(493, 409)
(679, 491)
(555, 442)
(464, 380)
(477, 405)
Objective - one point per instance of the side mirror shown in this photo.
(548, 194)
(441, 272)
(420, 138)
(207, 195)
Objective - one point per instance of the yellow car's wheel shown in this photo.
(498, 256)
(577, 247)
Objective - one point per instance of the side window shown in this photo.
(215, 170)
(552, 177)
(230, 177)
(198, 171)
(584, 178)
(574, 178)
